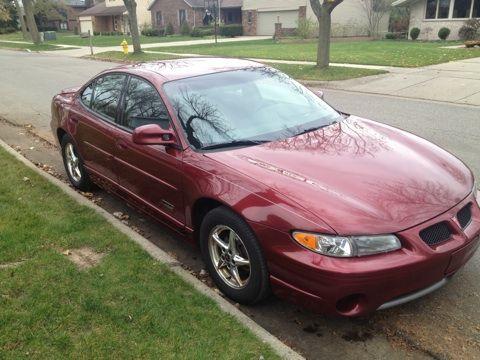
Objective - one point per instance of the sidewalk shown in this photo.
(456, 82)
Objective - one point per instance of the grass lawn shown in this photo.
(381, 52)
(300, 72)
(68, 38)
(32, 47)
(128, 306)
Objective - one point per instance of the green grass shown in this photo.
(32, 47)
(68, 38)
(128, 306)
(380, 52)
(300, 72)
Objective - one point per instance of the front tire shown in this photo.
(234, 257)
(74, 165)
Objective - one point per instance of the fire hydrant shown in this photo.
(124, 46)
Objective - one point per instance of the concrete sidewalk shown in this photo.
(456, 82)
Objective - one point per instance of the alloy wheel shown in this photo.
(73, 162)
(229, 256)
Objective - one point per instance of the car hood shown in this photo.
(358, 176)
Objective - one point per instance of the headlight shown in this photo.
(347, 246)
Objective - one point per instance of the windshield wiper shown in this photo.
(314, 128)
(234, 144)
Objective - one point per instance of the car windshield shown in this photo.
(245, 107)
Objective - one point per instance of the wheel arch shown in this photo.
(201, 207)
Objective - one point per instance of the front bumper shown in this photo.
(358, 286)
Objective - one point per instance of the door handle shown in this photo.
(74, 120)
(122, 145)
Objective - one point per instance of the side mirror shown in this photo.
(153, 135)
(319, 93)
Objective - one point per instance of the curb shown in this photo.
(279, 347)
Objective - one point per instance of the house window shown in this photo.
(476, 9)
(461, 8)
(443, 9)
(182, 16)
(158, 18)
(250, 17)
(431, 11)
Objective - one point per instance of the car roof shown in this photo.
(189, 67)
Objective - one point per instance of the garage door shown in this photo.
(266, 20)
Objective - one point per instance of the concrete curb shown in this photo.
(279, 347)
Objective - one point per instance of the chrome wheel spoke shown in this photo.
(240, 261)
(236, 275)
(232, 242)
(219, 241)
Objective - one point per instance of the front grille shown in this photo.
(464, 216)
(436, 233)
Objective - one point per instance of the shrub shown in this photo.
(443, 33)
(469, 29)
(231, 30)
(201, 31)
(390, 36)
(414, 32)
(305, 28)
(7, 30)
(185, 29)
(169, 29)
(152, 32)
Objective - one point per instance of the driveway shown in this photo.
(442, 325)
(456, 82)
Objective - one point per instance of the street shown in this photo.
(442, 325)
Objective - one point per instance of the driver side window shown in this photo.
(143, 105)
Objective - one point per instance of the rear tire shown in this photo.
(74, 165)
(234, 257)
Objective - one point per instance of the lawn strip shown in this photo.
(127, 306)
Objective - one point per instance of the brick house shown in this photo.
(348, 18)
(176, 12)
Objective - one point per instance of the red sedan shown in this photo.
(280, 191)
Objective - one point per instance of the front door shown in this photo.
(150, 174)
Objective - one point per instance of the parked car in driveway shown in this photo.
(281, 192)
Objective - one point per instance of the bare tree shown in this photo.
(375, 10)
(32, 25)
(323, 11)
(23, 26)
(131, 6)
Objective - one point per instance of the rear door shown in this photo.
(95, 123)
(151, 174)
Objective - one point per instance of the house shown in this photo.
(193, 12)
(348, 18)
(111, 16)
(431, 15)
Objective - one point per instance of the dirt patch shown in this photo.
(11, 264)
(84, 258)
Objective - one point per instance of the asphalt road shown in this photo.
(445, 324)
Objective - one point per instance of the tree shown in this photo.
(46, 11)
(23, 26)
(131, 6)
(375, 10)
(32, 25)
(323, 11)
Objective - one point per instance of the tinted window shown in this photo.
(87, 95)
(143, 105)
(106, 96)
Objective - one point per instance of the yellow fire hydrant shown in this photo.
(124, 46)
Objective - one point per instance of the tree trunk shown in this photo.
(131, 6)
(32, 25)
(323, 50)
(22, 21)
